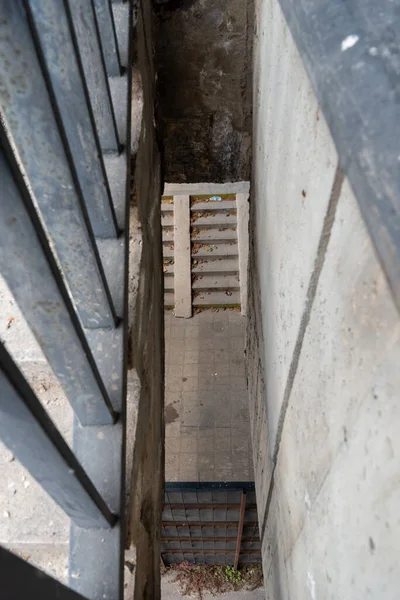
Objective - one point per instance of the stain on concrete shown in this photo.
(171, 414)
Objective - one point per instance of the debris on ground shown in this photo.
(195, 580)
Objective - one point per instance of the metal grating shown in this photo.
(202, 524)
(65, 95)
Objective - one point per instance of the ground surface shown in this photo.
(170, 591)
(207, 419)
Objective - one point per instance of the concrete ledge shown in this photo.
(182, 281)
(234, 187)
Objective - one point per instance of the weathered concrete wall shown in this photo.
(204, 80)
(147, 330)
(323, 351)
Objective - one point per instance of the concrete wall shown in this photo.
(147, 328)
(323, 346)
(204, 83)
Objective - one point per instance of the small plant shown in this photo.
(232, 575)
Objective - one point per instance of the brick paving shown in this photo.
(207, 418)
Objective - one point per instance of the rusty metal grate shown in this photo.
(213, 523)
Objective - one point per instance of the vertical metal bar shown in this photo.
(19, 579)
(85, 27)
(240, 530)
(30, 270)
(30, 120)
(27, 430)
(105, 21)
(72, 103)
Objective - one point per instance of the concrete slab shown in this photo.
(182, 279)
(207, 419)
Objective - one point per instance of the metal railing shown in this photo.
(64, 199)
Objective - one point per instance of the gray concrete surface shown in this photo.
(182, 256)
(206, 407)
(323, 348)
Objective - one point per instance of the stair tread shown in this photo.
(217, 250)
(168, 252)
(168, 283)
(222, 205)
(214, 220)
(216, 265)
(210, 235)
(216, 299)
(216, 281)
(169, 299)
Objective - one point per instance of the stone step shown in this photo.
(225, 234)
(228, 205)
(216, 299)
(167, 220)
(215, 220)
(214, 250)
(168, 282)
(167, 207)
(216, 282)
(167, 236)
(215, 265)
(169, 300)
(168, 252)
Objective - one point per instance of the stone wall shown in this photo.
(204, 81)
(147, 328)
(323, 346)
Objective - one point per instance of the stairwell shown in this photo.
(217, 246)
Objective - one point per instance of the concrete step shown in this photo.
(228, 205)
(168, 252)
(214, 235)
(168, 268)
(169, 300)
(214, 250)
(167, 236)
(167, 207)
(167, 219)
(216, 282)
(216, 299)
(215, 265)
(168, 282)
(216, 220)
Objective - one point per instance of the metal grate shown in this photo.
(212, 523)
(64, 170)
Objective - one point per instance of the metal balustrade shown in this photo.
(64, 199)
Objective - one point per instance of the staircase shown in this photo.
(215, 249)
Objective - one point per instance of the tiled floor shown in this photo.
(207, 419)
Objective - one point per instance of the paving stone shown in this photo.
(189, 443)
(190, 384)
(205, 381)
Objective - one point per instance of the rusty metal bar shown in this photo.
(240, 532)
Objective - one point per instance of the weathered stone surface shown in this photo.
(204, 71)
(146, 326)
